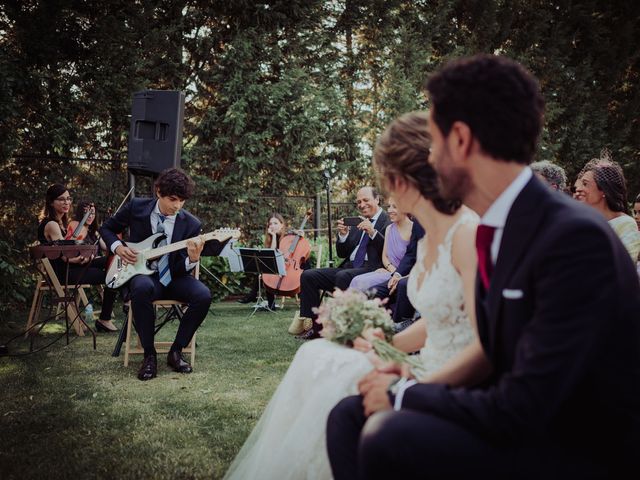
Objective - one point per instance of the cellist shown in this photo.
(274, 230)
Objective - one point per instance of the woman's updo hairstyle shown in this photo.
(402, 152)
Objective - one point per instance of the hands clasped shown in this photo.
(374, 386)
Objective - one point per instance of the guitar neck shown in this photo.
(172, 247)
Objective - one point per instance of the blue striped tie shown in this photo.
(163, 263)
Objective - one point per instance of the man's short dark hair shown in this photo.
(497, 98)
(174, 182)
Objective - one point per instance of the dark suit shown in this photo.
(144, 289)
(317, 279)
(402, 308)
(560, 325)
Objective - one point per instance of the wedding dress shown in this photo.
(288, 442)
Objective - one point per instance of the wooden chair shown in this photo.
(169, 307)
(50, 284)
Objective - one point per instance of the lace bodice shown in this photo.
(440, 301)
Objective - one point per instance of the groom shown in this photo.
(554, 392)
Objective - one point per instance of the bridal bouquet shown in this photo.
(350, 313)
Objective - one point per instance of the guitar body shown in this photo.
(118, 274)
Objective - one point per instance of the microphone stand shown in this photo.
(327, 185)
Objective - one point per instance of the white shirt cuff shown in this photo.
(188, 265)
(342, 238)
(397, 405)
(115, 245)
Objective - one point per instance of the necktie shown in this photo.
(163, 263)
(484, 237)
(358, 260)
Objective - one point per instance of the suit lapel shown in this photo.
(146, 218)
(522, 224)
(382, 220)
(179, 227)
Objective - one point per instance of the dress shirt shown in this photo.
(343, 238)
(496, 215)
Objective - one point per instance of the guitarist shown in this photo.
(145, 217)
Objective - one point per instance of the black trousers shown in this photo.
(94, 274)
(316, 279)
(411, 444)
(144, 289)
(401, 306)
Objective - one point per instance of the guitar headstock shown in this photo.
(221, 234)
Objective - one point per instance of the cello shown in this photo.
(296, 250)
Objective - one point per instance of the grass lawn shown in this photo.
(72, 412)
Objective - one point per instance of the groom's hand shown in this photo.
(373, 387)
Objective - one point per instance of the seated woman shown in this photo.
(53, 226)
(274, 231)
(89, 231)
(396, 239)
(601, 184)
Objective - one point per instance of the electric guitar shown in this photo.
(118, 273)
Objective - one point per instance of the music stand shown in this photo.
(262, 260)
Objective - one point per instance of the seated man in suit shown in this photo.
(396, 287)
(360, 246)
(147, 216)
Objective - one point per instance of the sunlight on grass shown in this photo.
(87, 416)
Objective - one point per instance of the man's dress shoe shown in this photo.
(149, 368)
(178, 363)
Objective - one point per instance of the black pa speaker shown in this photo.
(155, 136)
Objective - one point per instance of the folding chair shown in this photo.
(171, 308)
(50, 283)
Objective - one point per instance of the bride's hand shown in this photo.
(401, 369)
(362, 345)
(370, 334)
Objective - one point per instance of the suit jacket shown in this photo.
(409, 259)
(561, 327)
(374, 247)
(136, 216)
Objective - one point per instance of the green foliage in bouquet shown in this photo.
(348, 313)
(389, 353)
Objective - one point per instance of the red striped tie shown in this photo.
(484, 237)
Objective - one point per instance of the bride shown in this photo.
(289, 440)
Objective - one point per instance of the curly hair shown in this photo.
(609, 178)
(553, 174)
(497, 98)
(174, 182)
(402, 152)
